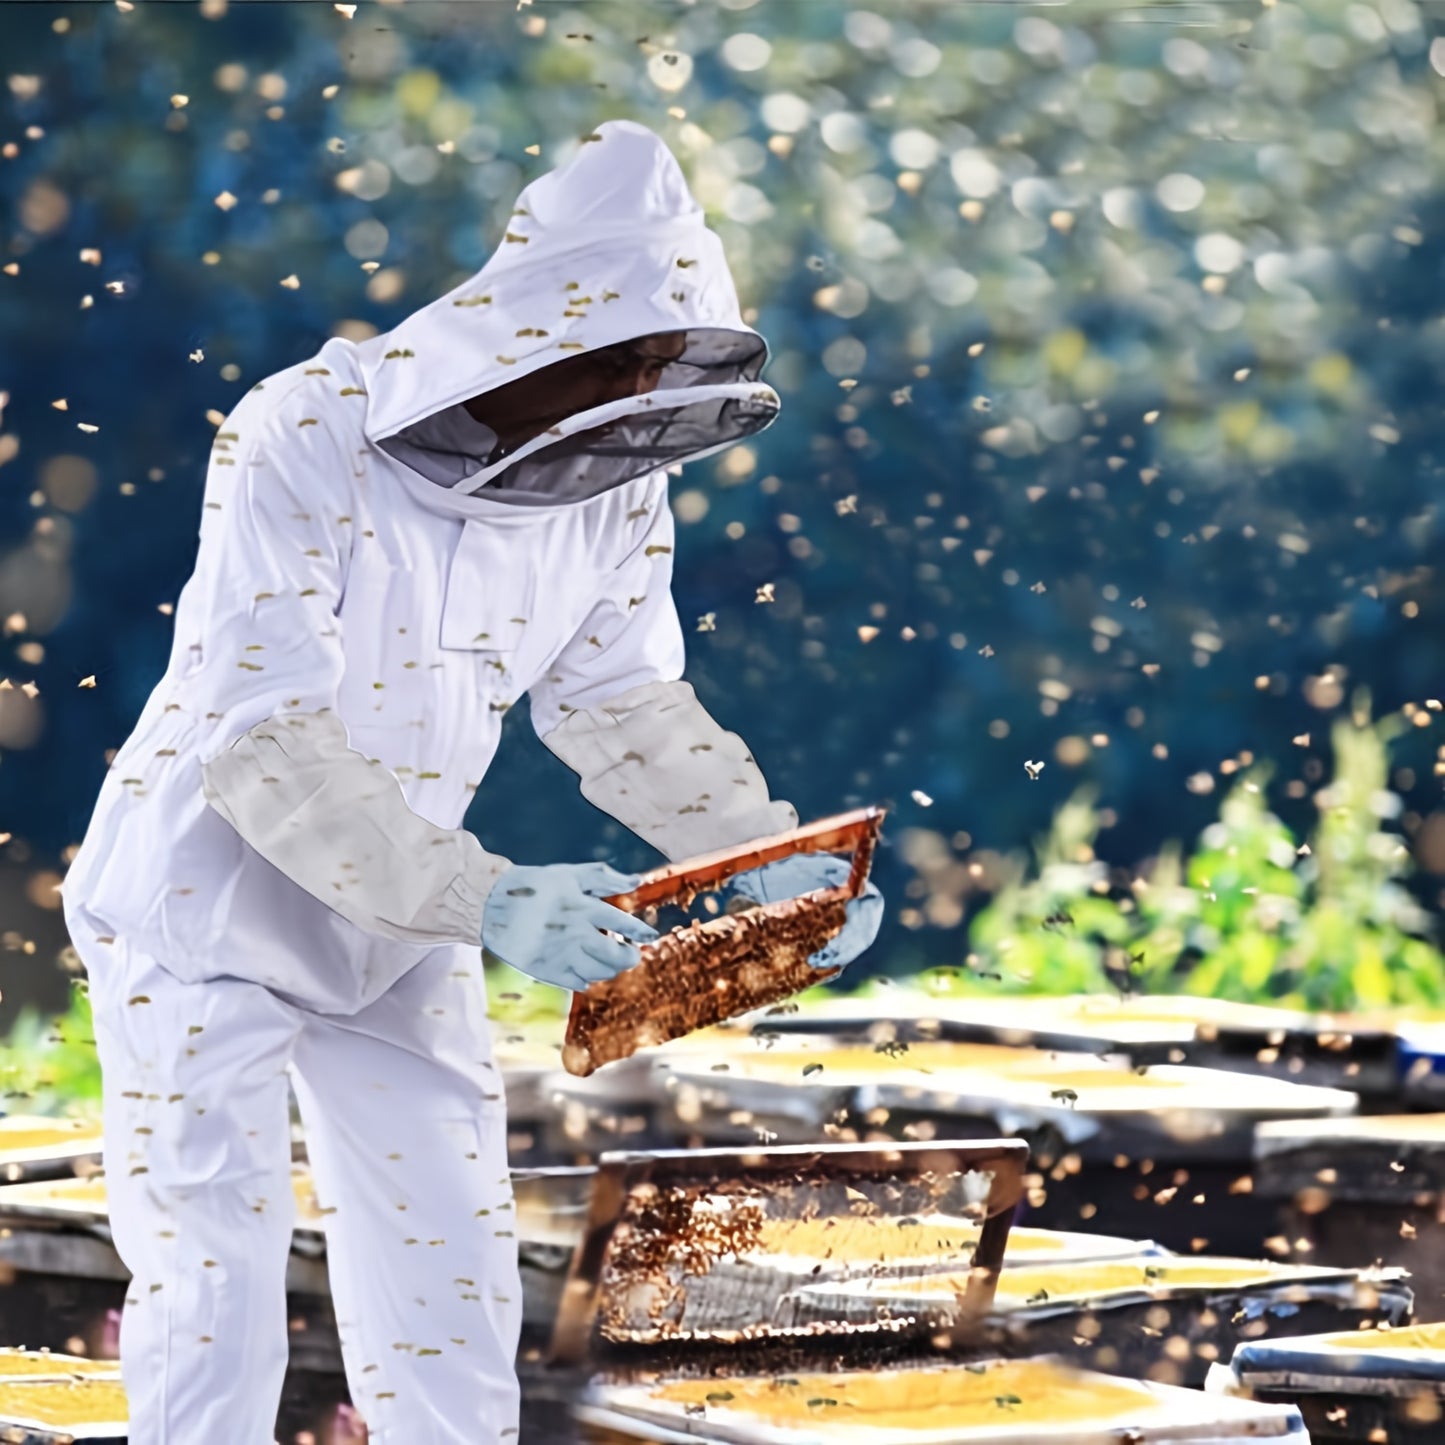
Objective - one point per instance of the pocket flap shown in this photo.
(490, 591)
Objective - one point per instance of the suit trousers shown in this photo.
(405, 1125)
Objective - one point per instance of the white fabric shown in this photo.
(342, 574)
(610, 247)
(657, 761)
(339, 827)
(406, 1135)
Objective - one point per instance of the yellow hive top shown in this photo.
(89, 1195)
(17, 1363)
(1410, 1340)
(1035, 1077)
(931, 1056)
(64, 1405)
(1023, 1283)
(1167, 1009)
(865, 1240)
(26, 1133)
(909, 1403)
(1388, 1128)
(1039, 1241)
(1168, 1015)
(921, 1062)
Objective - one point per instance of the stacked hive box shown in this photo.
(1364, 1387)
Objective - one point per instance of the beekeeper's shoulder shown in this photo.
(299, 427)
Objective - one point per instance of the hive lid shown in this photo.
(35, 1365)
(1028, 1291)
(38, 1411)
(674, 1251)
(1367, 1362)
(1334, 1050)
(28, 1140)
(803, 1082)
(1024, 1402)
(913, 1012)
(1089, 1020)
(1281, 1136)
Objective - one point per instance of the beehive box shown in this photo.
(1164, 1153)
(553, 1126)
(54, 1399)
(617, 1108)
(674, 1258)
(986, 1403)
(1364, 1387)
(781, 1249)
(798, 1086)
(69, 1281)
(1342, 1052)
(1362, 1189)
(1162, 1318)
(35, 1146)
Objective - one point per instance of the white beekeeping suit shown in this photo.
(275, 883)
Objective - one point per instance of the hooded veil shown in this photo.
(605, 249)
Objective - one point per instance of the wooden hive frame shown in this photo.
(624, 1178)
(708, 972)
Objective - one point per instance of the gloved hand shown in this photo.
(804, 872)
(544, 922)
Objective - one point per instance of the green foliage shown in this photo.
(519, 1001)
(48, 1063)
(1250, 915)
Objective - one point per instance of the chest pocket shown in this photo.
(491, 595)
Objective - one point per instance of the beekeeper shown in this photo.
(400, 538)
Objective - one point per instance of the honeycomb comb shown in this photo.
(704, 973)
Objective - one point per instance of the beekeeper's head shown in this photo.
(601, 342)
(520, 410)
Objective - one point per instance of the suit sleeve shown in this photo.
(268, 660)
(614, 709)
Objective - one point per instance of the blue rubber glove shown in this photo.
(805, 872)
(545, 923)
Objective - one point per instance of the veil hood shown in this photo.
(609, 247)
